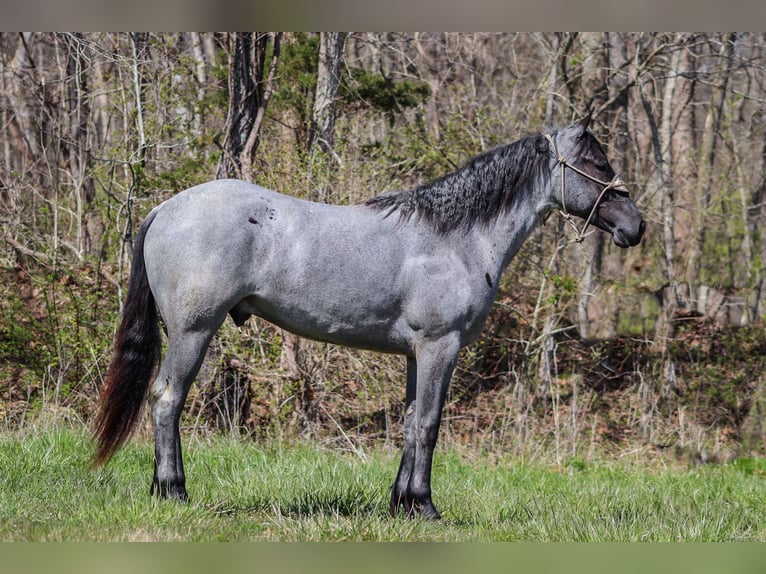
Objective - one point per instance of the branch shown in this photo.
(23, 250)
(246, 156)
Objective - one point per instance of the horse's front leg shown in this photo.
(399, 496)
(435, 363)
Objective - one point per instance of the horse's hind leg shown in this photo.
(186, 351)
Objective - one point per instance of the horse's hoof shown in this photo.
(429, 512)
(413, 508)
(397, 502)
(169, 491)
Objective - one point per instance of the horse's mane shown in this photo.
(478, 192)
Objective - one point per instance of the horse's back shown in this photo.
(216, 202)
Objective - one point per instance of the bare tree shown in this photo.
(250, 88)
(709, 139)
(331, 46)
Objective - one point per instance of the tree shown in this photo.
(709, 139)
(249, 92)
(328, 75)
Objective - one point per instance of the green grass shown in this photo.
(242, 491)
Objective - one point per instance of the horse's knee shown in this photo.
(409, 422)
(428, 433)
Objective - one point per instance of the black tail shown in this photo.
(137, 349)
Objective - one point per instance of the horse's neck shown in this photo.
(511, 228)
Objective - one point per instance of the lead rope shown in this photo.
(617, 181)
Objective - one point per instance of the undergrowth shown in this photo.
(301, 492)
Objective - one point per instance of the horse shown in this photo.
(413, 273)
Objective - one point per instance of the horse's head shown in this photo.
(590, 188)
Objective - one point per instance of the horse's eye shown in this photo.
(601, 165)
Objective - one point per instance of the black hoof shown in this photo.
(429, 511)
(169, 490)
(412, 506)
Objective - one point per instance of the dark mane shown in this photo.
(477, 192)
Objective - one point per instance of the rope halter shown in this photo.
(616, 183)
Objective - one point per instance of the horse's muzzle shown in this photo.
(628, 237)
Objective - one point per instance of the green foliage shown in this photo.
(361, 88)
(719, 367)
(187, 172)
(52, 337)
(24, 356)
(19, 333)
(750, 465)
(564, 288)
(297, 76)
(638, 318)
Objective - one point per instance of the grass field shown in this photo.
(243, 491)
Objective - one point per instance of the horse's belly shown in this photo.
(374, 332)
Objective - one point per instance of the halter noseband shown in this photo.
(617, 182)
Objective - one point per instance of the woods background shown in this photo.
(657, 349)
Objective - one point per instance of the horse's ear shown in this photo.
(582, 125)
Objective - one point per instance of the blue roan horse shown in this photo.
(412, 273)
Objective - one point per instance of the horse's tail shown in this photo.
(137, 349)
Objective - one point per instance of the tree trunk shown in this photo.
(707, 151)
(552, 81)
(331, 46)
(249, 95)
(756, 211)
(200, 73)
(266, 89)
(140, 45)
(78, 99)
(665, 163)
(661, 138)
(243, 101)
(20, 126)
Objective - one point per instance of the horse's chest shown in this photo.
(474, 324)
